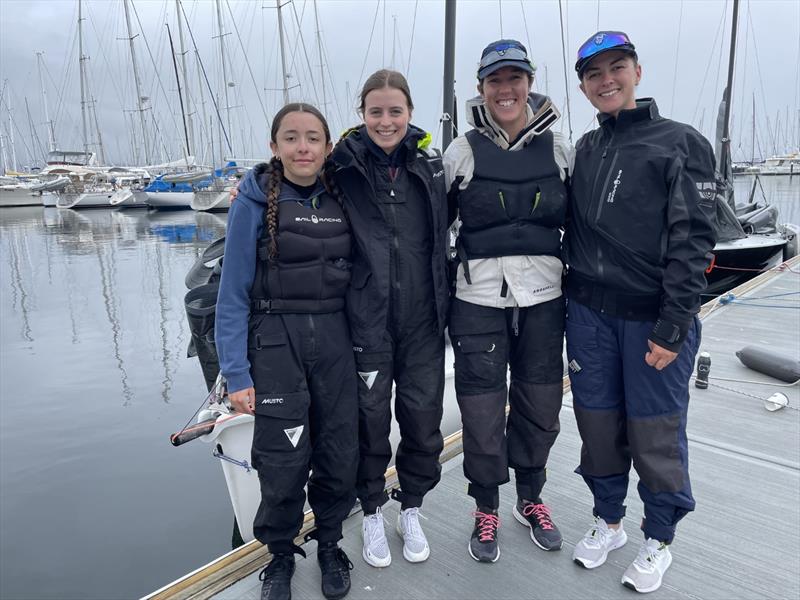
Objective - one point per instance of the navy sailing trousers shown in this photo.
(628, 411)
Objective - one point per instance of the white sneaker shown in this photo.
(645, 573)
(376, 548)
(415, 545)
(593, 549)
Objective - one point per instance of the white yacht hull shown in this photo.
(211, 200)
(19, 197)
(128, 198)
(170, 199)
(85, 200)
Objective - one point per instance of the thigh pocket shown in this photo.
(583, 360)
(281, 427)
(271, 361)
(480, 351)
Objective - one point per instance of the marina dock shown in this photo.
(741, 542)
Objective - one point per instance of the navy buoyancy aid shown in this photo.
(311, 272)
(515, 201)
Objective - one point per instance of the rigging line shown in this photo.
(14, 123)
(296, 45)
(743, 85)
(205, 77)
(399, 48)
(500, 6)
(330, 79)
(705, 75)
(369, 44)
(770, 139)
(247, 62)
(564, 60)
(677, 53)
(110, 67)
(305, 52)
(721, 54)
(527, 33)
(598, 14)
(411, 46)
(157, 76)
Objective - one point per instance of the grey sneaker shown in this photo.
(593, 549)
(536, 517)
(415, 545)
(645, 573)
(483, 543)
(376, 548)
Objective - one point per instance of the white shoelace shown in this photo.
(648, 554)
(411, 525)
(374, 532)
(602, 535)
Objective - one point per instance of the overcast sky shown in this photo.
(683, 48)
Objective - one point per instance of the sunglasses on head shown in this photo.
(603, 40)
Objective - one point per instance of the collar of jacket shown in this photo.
(256, 183)
(646, 110)
(352, 148)
(541, 116)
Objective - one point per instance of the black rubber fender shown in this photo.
(770, 363)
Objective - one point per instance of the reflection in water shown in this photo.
(18, 292)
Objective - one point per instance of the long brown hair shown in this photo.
(275, 171)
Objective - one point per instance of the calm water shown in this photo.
(94, 501)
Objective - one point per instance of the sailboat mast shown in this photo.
(224, 72)
(11, 128)
(51, 134)
(283, 55)
(138, 84)
(180, 94)
(81, 61)
(189, 126)
(448, 108)
(725, 150)
(321, 65)
(753, 135)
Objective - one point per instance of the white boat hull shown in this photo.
(170, 199)
(19, 197)
(128, 198)
(85, 200)
(211, 200)
(49, 199)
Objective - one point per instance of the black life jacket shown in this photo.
(312, 269)
(514, 203)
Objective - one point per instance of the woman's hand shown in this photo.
(658, 357)
(234, 191)
(244, 401)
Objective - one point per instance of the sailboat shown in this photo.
(749, 238)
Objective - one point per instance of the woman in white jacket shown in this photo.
(506, 180)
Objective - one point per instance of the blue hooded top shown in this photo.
(245, 226)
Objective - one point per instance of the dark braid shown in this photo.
(329, 181)
(274, 188)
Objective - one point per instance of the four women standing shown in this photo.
(285, 345)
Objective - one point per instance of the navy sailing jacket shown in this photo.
(640, 220)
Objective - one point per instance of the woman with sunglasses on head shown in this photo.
(285, 349)
(397, 302)
(507, 180)
(637, 241)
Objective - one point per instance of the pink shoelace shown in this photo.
(488, 525)
(541, 512)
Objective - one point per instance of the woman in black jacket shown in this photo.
(394, 195)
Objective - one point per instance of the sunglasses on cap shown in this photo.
(504, 53)
(600, 42)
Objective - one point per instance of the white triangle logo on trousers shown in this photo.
(294, 434)
(368, 377)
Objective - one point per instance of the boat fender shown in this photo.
(770, 363)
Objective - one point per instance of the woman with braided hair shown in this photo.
(285, 347)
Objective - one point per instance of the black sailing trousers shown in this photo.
(306, 420)
(412, 359)
(486, 342)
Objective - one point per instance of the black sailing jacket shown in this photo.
(370, 288)
(640, 217)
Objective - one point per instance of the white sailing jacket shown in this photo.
(530, 279)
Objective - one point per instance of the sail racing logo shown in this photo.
(315, 219)
(613, 192)
(707, 189)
